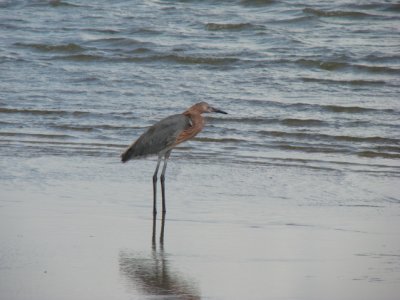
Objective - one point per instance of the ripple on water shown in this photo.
(233, 26)
(337, 14)
(71, 47)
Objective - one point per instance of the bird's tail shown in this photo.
(128, 154)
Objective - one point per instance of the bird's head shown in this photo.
(204, 107)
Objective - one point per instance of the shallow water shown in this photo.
(291, 195)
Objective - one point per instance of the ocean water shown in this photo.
(314, 84)
(311, 141)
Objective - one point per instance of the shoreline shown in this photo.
(92, 236)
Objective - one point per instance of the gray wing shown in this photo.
(158, 137)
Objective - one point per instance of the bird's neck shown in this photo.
(197, 119)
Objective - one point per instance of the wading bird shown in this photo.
(163, 136)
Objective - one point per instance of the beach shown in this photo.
(77, 237)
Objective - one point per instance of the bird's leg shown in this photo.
(166, 157)
(162, 232)
(155, 186)
(153, 238)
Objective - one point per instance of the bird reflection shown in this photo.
(152, 273)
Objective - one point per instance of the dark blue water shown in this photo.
(310, 83)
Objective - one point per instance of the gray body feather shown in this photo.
(158, 139)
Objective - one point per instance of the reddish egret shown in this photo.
(163, 136)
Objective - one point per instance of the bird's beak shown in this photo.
(216, 110)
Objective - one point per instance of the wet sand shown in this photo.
(83, 229)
